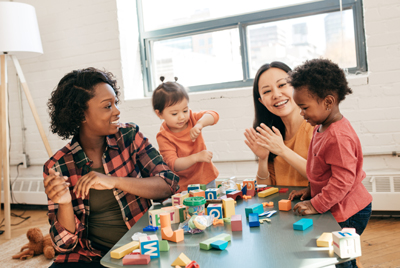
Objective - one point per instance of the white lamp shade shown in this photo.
(19, 30)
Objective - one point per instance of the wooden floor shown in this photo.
(380, 240)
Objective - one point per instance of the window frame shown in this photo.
(241, 22)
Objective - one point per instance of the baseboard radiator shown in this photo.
(27, 191)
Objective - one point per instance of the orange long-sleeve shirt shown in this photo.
(175, 145)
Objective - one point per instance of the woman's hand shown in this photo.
(270, 140)
(303, 194)
(56, 188)
(195, 132)
(251, 142)
(93, 180)
(304, 208)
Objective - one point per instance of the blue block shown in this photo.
(256, 208)
(302, 224)
(150, 228)
(219, 244)
(254, 220)
(212, 193)
(230, 191)
(244, 190)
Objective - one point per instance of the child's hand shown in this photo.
(304, 208)
(251, 137)
(204, 156)
(303, 193)
(195, 132)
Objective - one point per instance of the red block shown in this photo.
(235, 194)
(236, 222)
(136, 259)
(283, 190)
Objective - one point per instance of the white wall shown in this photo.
(77, 34)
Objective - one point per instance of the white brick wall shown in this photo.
(77, 34)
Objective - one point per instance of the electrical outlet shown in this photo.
(25, 160)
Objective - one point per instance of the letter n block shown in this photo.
(149, 246)
(212, 193)
(216, 210)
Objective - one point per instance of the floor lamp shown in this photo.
(19, 38)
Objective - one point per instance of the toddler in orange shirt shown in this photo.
(180, 140)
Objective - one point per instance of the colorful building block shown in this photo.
(229, 207)
(218, 222)
(235, 195)
(150, 228)
(174, 212)
(219, 244)
(261, 187)
(254, 220)
(192, 264)
(206, 244)
(163, 245)
(346, 244)
(244, 189)
(325, 240)
(229, 191)
(302, 224)
(182, 260)
(216, 210)
(136, 259)
(177, 199)
(255, 208)
(166, 231)
(268, 192)
(251, 186)
(268, 204)
(245, 197)
(212, 193)
(283, 190)
(285, 205)
(236, 223)
(149, 246)
(193, 187)
(182, 212)
(124, 250)
(197, 192)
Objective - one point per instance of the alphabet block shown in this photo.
(346, 244)
(177, 199)
(197, 192)
(154, 216)
(182, 212)
(216, 210)
(193, 187)
(149, 246)
(212, 193)
(174, 211)
(229, 207)
(251, 186)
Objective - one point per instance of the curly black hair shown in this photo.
(68, 101)
(322, 77)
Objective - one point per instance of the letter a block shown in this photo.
(149, 246)
(216, 210)
(212, 193)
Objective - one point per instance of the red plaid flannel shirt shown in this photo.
(128, 154)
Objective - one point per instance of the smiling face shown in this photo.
(276, 93)
(312, 109)
(102, 115)
(176, 116)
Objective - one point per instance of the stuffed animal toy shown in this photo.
(37, 245)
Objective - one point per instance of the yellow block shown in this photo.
(325, 240)
(229, 207)
(268, 192)
(124, 250)
(182, 260)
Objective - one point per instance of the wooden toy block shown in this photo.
(255, 208)
(206, 244)
(193, 264)
(124, 250)
(177, 199)
(182, 260)
(229, 207)
(212, 193)
(154, 216)
(283, 190)
(239, 186)
(263, 220)
(164, 245)
(216, 210)
(236, 223)
(229, 191)
(244, 189)
(218, 181)
(261, 187)
(150, 228)
(149, 246)
(268, 204)
(349, 230)
(245, 197)
(268, 192)
(182, 212)
(346, 244)
(325, 240)
(136, 259)
(251, 186)
(166, 231)
(203, 187)
(218, 222)
(254, 220)
(197, 192)
(302, 224)
(193, 187)
(235, 195)
(285, 205)
(219, 244)
(174, 211)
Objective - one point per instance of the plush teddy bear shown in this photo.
(37, 245)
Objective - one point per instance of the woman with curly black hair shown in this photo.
(280, 136)
(101, 183)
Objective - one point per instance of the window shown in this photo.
(221, 44)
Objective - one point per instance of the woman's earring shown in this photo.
(328, 109)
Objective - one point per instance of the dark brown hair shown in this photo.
(168, 94)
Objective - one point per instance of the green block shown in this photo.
(206, 244)
(203, 187)
(163, 245)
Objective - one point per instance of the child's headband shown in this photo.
(162, 78)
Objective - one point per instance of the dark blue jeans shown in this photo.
(359, 222)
